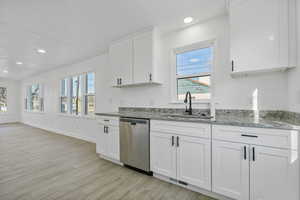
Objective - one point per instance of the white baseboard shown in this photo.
(111, 160)
(63, 132)
(193, 188)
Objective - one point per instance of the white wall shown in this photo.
(229, 93)
(84, 128)
(294, 74)
(13, 103)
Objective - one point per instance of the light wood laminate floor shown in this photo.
(37, 164)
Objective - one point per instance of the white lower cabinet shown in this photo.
(230, 169)
(245, 171)
(274, 174)
(181, 157)
(194, 161)
(108, 143)
(163, 154)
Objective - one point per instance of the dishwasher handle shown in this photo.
(134, 121)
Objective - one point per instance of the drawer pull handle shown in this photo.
(183, 183)
(252, 136)
(106, 120)
(253, 154)
(173, 141)
(245, 153)
(177, 141)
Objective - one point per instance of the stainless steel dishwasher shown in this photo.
(135, 143)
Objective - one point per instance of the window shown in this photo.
(64, 96)
(34, 100)
(3, 99)
(193, 71)
(76, 99)
(77, 94)
(90, 93)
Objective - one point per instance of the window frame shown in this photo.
(175, 77)
(6, 88)
(86, 94)
(83, 94)
(61, 96)
(28, 101)
(80, 95)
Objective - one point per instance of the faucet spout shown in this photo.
(188, 97)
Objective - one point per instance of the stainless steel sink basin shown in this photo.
(188, 116)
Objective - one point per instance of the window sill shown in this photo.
(77, 116)
(206, 101)
(34, 112)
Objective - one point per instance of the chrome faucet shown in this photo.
(188, 110)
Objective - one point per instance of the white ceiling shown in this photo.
(72, 30)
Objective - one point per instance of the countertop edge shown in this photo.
(220, 122)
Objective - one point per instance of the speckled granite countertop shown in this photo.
(243, 118)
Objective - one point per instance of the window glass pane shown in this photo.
(199, 87)
(35, 97)
(194, 62)
(3, 99)
(64, 104)
(64, 87)
(90, 104)
(76, 95)
(90, 83)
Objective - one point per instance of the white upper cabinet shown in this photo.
(143, 57)
(120, 58)
(134, 60)
(262, 35)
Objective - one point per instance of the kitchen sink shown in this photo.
(197, 116)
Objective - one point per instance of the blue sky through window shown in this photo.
(194, 62)
(91, 83)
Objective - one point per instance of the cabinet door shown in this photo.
(274, 174)
(120, 58)
(102, 141)
(163, 154)
(194, 161)
(259, 34)
(230, 169)
(113, 143)
(143, 57)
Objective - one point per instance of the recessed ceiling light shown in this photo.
(5, 71)
(188, 20)
(41, 51)
(19, 63)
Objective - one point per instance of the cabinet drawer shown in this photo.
(181, 128)
(259, 136)
(108, 121)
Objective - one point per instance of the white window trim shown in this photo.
(202, 44)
